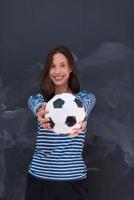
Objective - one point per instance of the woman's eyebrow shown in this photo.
(63, 62)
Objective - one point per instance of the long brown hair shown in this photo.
(45, 83)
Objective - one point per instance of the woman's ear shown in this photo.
(70, 70)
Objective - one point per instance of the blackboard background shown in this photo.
(101, 35)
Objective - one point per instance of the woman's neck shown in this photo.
(62, 90)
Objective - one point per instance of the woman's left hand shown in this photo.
(77, 131)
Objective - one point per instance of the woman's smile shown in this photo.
(58, 77)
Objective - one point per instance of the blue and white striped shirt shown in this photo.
(56, 156)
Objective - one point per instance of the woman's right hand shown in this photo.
(44, 122)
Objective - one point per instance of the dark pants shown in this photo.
(38, 189)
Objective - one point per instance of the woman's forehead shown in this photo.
(59, 57)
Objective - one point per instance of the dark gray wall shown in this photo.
(101, 34)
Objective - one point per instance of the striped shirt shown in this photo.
(56, 156)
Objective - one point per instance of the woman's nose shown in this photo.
(57, 70)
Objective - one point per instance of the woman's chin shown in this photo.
(58, 83)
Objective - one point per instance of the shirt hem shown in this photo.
(54, 179)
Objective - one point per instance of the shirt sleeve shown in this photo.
(35, 102)
(88, 99)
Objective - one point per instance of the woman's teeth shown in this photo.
(58, 77)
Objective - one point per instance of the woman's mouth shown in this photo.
(58, 78)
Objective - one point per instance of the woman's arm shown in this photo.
(35, 102)
(88, 99)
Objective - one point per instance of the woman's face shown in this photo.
(59, 71)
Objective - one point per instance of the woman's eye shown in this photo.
(63, 65)
(52, 66)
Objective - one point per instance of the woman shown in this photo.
(57, 170)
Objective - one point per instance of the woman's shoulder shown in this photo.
(36, 97)
(86, 96)
(85, 93)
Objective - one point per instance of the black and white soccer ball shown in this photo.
(65, 112)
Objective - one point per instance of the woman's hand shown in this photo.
(77, 131)
(41, 118)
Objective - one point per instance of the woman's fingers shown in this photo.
(83, 125)
(45, 123)
(77, 131)
(41, 118)
(42, 111)
(46, 126)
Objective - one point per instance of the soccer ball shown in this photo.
(65, 112)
